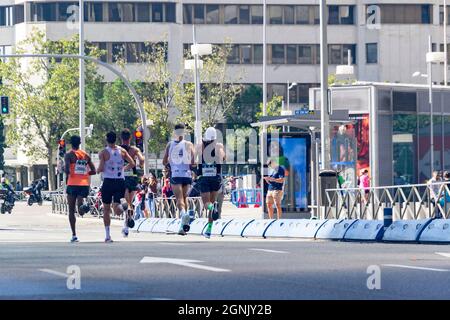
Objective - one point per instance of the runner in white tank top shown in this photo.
(112, 160)
(179, 157)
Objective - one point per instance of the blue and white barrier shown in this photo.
(161, 225)
(198, 225)
(437, 231)
(365, 230)
(306, 229)
(334, 229)
(219, 226)
(257, 228)
(281, 228)
(137, 224)
(405, 230)
(236, 227)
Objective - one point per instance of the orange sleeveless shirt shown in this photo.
(79, 175)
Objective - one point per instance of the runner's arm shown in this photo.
(91, 167)
(101, 166)
(166, 156)
(140, 157)
(67, 164)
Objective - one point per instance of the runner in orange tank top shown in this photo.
(77, 162)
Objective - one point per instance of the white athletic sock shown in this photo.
(182, 213)
(108, 235)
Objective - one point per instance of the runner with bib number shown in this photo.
(212, 156)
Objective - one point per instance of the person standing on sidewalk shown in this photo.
(364, 184)
(78, 168)
(112, 165)
(275, 191)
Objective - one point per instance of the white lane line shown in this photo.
(416, 268)
(267, 250)
(56, 273)
(172, 243)
(182, 262)
(444, 254)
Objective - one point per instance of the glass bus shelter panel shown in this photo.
(344, 152)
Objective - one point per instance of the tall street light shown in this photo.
(81, 80)
(445, 43)
(264, 106)
(431, 57)
(197, 50)
(324, 111)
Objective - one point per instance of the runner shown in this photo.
(112, 165)
(131, 176)
(179, 158)
(77, 162)
(212, 156)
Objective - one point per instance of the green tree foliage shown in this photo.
(43, 95)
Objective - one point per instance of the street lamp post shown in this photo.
(81, 66)
(264, 106)
(445, 44)
(197, 50)
(431, 57)
(324, 115)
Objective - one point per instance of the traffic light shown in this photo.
(5, 104)
(139, 137)
(62, 148)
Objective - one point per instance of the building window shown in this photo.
(212, 14)
(128, 12)
(187, 13)
(371, 52)
(333, 14)
(244, 14)
(257, 54)
(157, 12)
(291, 54)
(289, 14)
(246, 53)
(335, 54)
(405, 13)
(93, 11)
(346, 14)
(275, 14)
(230, 14)
(115, 12)
(199, 14)
(170, 9)
(257, 14)
(302, 14)
(278, 54)
(143, 12)
(305, 54)
(19, 16)
(233, 57)
(346, 48)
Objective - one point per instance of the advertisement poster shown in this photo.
(291, 152)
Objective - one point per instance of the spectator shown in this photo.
(152, 193)
(364, 183)
(435, 196)
(19, 186)
(275, 192)
(166, 188)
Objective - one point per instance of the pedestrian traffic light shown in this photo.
(139, 137)
(5, 104)
(62, 148)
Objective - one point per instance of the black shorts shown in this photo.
(113, 189)
(78, 191)
(210, 184)
(131, 183)
(182, 181)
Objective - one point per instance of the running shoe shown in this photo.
(74, 239)
(208, 230)
(125, 232)
(185, 221)
(108, 240)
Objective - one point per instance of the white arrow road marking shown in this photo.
(182, 262)
(412, 267)
(56, 273)
(267, 250)
(444, 254)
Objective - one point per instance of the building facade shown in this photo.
(388, 39)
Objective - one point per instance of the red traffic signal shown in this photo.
(139, 137)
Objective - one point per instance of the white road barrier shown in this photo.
(174, 226)
(306, 229)
(236, 227)
(161, 225)
(437, 231)
(137, 224)
(334, 229)
(219, 226)
(281, 228)
(198, 225)
(147, 225)
(257, 228)
(405, 230)
(365, 230)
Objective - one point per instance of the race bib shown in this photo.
(209, 170)
(81, 167)
(128, 173)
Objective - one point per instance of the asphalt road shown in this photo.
(35, 255)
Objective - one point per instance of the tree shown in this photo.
(44, 96)
(218, 90)
(246, 105)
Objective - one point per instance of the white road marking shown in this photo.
(413, 267)
(267, 250)
(182, 262)
(172, 243)
(444, 254)
(56, 273)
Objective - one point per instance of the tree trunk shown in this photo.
(51, 170)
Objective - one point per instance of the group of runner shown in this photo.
(119, 169)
